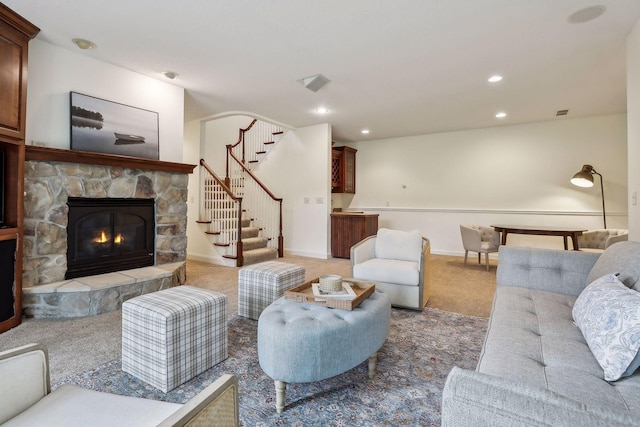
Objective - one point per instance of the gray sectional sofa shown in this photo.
(536, 367)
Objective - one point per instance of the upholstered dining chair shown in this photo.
(397, 262)
(599, 240)
(481, 239)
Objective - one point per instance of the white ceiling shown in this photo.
(397, 67)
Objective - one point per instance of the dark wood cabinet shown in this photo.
(15, 33)
(348, 228)
(343, 170)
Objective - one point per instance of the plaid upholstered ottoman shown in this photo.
(170, 336)
(261, 284)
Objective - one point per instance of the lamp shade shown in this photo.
(584, 178)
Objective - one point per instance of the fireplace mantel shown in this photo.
(48, 154)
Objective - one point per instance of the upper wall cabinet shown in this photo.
(343, 170)
(15, 34)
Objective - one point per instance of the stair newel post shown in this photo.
(227, 180)
(239, 255)
(280, 236)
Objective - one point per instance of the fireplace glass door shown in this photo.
(106, 235)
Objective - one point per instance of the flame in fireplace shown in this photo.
(102, 238)
(118, 240)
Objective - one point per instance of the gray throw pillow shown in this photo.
(622, 259)
(608, 315)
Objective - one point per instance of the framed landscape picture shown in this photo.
(102, 126)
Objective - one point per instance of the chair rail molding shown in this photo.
(482, 211)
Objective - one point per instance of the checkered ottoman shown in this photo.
(170, 336)
(261, 284)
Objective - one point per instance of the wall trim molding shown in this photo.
(484, 211)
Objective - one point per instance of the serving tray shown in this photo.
(304, 293)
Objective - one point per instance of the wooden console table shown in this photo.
(542, 231)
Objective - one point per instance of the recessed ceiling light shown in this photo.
(501, 115)
(495, 78)
(170, 74)
(322, 110)
(365, 131)
(84, 44)
(587, 14)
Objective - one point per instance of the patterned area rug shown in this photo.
(413, 364)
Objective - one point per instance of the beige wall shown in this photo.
(508, 175)
(54, 72)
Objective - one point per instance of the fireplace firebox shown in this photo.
(109, 234)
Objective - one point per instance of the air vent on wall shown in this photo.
(562, 113)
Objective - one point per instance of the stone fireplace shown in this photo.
(53, 179)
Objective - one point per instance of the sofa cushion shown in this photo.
(532, 340)
(608, 314)
(620, 258)
(399, 245)
(389, 271)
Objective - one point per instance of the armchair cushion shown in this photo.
(388, 270)
(399, 245)
(25, 379)
(64, 406)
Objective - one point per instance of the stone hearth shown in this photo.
(51, 177)
(102, 293)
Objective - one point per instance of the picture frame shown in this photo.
(101, 126)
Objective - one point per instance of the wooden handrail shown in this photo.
(242, 131)
(246, 169)
(221, 182)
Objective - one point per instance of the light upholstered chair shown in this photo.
(602, 239)
(27, 399)
(398, 263)
(481, 239)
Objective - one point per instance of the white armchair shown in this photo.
(26, 400)
(602, 239)
(398, 263)
(481, 239)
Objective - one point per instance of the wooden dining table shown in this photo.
(563, 232)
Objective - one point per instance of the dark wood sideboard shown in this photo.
(348, 228)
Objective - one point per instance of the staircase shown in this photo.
(254, 247)
(242, 218)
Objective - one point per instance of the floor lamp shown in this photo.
(584, 178)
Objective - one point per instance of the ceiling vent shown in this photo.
(562, 113)
(315, 82)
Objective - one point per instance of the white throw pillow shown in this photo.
(608, 314)
(400, 245)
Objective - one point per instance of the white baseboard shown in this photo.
(212, 260)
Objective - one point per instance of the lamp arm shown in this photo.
(604, 214)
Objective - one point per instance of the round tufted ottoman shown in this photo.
(301, 342)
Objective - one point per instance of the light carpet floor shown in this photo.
(76, 345)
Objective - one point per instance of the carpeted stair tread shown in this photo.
(255, 256)
(254, 243)
(248, 232)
